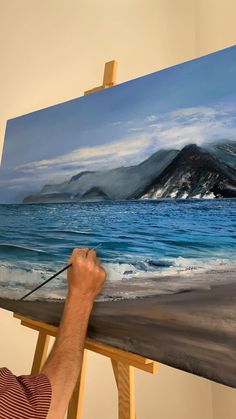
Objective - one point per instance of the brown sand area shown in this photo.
(193, 330)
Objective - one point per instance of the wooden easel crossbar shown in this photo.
(123, 363)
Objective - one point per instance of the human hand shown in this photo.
(86, 275)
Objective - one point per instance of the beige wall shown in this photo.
(215, 25)
(53, 50)
(223, 402)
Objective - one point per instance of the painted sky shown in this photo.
(194, 102)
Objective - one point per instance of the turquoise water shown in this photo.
(136, 237)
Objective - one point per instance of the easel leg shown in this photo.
(40, 352)
(124, 375)
(76, 403)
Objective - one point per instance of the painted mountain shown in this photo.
(193, 172)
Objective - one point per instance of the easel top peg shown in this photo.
(109, 77)
(110, 73)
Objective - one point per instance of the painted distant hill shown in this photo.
(193, 172)
(120, 183)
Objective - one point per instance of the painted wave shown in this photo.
(125, 280)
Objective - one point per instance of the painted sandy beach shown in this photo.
(193, 331)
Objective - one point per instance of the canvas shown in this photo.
(147, 171)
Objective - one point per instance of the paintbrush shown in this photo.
(53, 276)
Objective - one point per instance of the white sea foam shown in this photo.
(180, 265)
(151, 279)
(17, 281)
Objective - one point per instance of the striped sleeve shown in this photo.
(24, 397)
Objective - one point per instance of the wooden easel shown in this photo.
(123, 363)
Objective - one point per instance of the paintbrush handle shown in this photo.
(45, 282)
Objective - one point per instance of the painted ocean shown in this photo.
(147, 246)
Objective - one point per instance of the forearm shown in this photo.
(85, 279)
(64, 363)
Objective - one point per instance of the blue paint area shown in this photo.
(138, 237)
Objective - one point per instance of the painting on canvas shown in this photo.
(147, 171)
